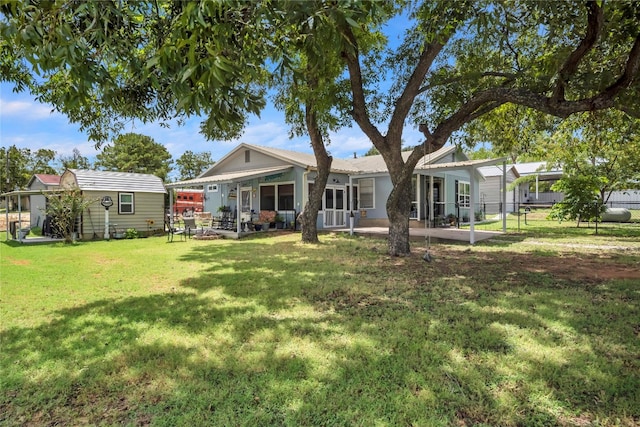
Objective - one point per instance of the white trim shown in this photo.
(373, 195)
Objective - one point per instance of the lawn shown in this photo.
(515, 331)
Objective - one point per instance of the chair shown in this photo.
(189, 226)
(172, 231)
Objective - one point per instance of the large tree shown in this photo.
(460, 60)
(137, 153)
(191, 165)
(311, 88)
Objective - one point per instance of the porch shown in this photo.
(421, 233)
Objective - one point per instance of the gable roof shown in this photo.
(45, 179)
(361, 165)
(92, 180)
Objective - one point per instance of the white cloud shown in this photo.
(25, 110)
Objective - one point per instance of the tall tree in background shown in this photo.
(22, 164)
(191, 165)
(136, 153)
(74, 161)
(460, 60)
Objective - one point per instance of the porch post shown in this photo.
(19, 218)
(504, 196)
(170, 207)
(238, 203)
(431, 201)
(472, 207)
(352, 214)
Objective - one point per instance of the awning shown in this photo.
(229, 177)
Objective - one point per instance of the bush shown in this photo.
(131, 233)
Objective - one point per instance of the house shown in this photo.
(252, 178)
(38, 202)
(538, 189)
(491, 189)
(138, 201)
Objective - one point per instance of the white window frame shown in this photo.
(121, 204)
(212, 188)
(373, 193)
(464, 199)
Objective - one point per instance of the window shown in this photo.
(463, 197)
(247, 156)
(212, 188)
(125, 203)
(268, 197)
(285, 196)
(276, 197)
(366, 193)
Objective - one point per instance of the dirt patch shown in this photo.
(574, 267)
(17, 261)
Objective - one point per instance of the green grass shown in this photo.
(268, 331)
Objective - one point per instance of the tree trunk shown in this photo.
(309, 214)
(398, 210)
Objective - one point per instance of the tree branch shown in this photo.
(359, 112)
(595, 20)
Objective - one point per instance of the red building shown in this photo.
(188, 200)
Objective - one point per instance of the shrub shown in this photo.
(131, 233)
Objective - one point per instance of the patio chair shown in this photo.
(173, 231)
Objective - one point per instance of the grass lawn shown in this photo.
(515, 331)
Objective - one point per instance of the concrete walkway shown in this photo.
(451, 233)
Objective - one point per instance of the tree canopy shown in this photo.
(104, 63)
(191, 165)
(136, 153)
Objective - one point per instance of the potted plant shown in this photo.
(279, 221)
(266, 218)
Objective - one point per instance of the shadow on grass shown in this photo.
(279, 333)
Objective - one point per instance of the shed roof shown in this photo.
(45, 179)
(92, 180)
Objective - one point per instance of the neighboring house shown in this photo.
(138, 201)
(253, 178)
(38, 202)
(538, 190)
(491, 189)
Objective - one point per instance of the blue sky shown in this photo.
(26, 123)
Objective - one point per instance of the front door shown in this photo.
(245, 204)
(334, 212)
